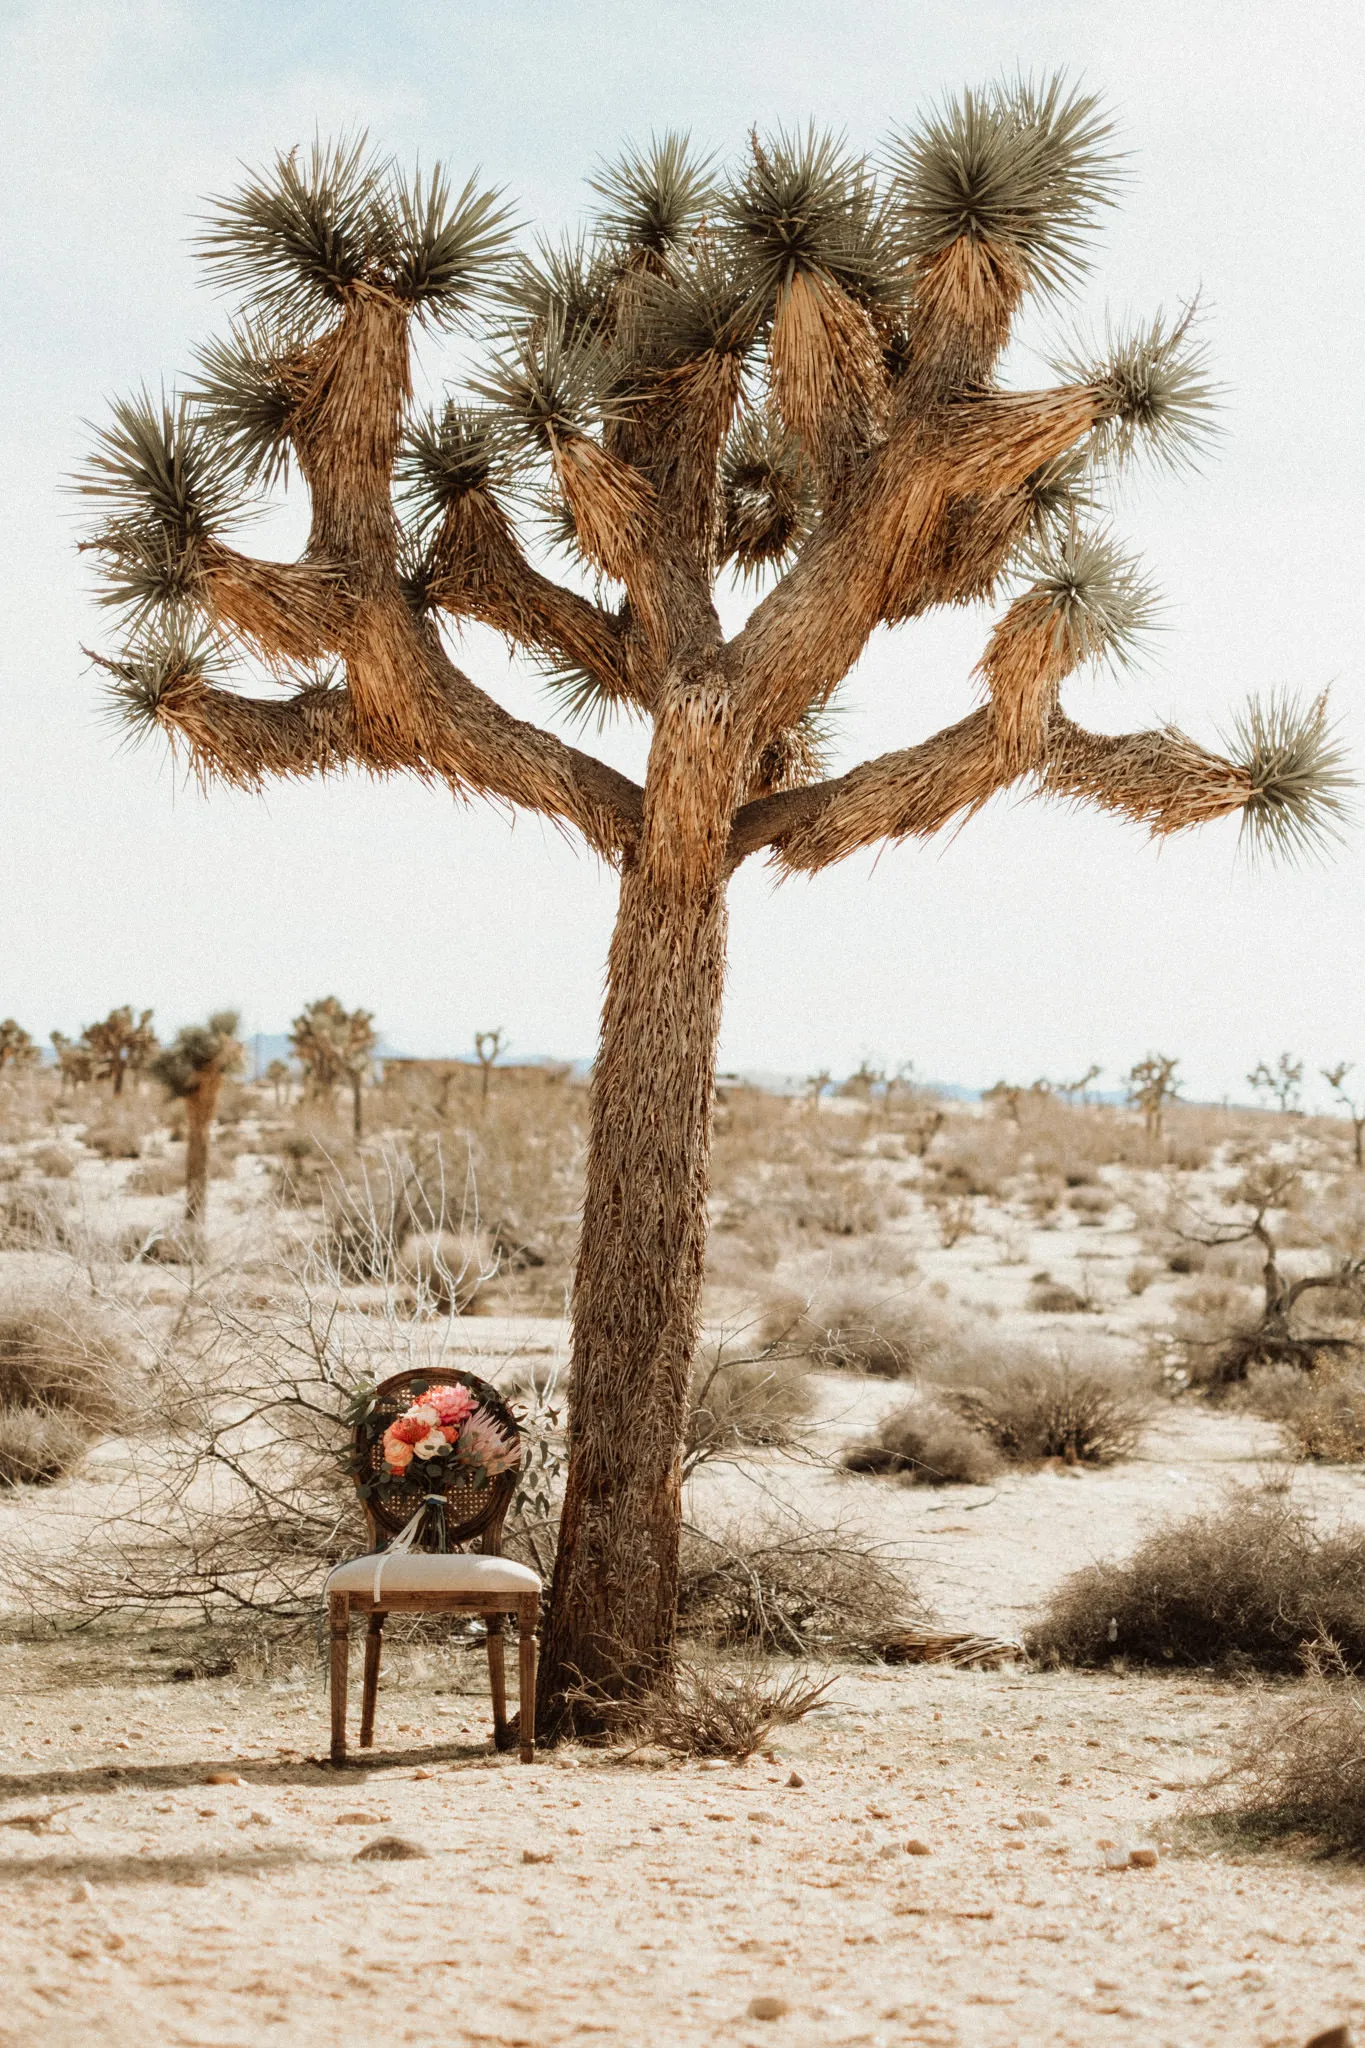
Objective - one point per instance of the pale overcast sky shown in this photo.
(1033, 941)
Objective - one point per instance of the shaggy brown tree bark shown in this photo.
(637, 1299)
(201, 1106)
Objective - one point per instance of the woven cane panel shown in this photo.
(469, 1509)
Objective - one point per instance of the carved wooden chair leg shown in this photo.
(497, 1678)
(527, 1615)
(374, 1644)
(339, 1619)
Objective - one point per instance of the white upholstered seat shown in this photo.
(424, 1572)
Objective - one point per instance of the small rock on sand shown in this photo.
(795, 1782)
(391, 1849)
(1142, 1859)
(914, 1847)
(767, 2006)
(537, 1855)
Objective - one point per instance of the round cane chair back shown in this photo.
(468, 1509)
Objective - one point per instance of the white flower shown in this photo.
(431, 1445)
(420, 1412)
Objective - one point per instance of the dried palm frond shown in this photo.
(805, 204)
(247, 391)
(610, 503)
(769, 502)
(445, 457)
(1154, 388)
(1020, 167)
(655, 197)
(293, 239)
(1295, 763)
(443, 252)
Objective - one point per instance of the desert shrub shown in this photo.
(1050, 1297)
(1091, 1204)
(66, 1378)
(1248, 1584)
(837, 1201)
(975, 1156)
(740, 1401)
(1299, 1765)
(1030, 1408)
(32, 1219)
(54, 1162)
(710, 1707)
(1140, 1276)
(1188, 1258)
(927, 1442)
(955, 1216)
(849, 1331)
(1042, 1194)
(123, 1128)
(782, 1585)
(159, 1175)
(1321, 1415)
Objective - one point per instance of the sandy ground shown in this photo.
(599, 1897)
(596, 1897)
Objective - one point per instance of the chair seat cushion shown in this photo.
(421, 1572)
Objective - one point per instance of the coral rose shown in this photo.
(408, 1429)
(397, 1455)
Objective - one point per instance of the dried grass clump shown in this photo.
(896, 1338)
(160, 1175)
(710, 1708)
(741, 1401)
(1031, 1409)
(1321, 1415)
(121, 1132)
(65, 1379)
(834, 1201)
(54, 1162)
(1049, 1297)
(1300, 1764)
(781, 1585)
(1247, 1585)
(926, 1443)
(32, 1219)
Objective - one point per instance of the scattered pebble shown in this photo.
(767, 2006)
(224, 1778)
(84, 1892)
(1143, 1859)
(1033, 1817)
(391, 1849)
(914, 1847)
(536, 1855)
(360, 1819)
(795, 1782)
(1334, 2037)
(761, 1814)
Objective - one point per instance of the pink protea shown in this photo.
(483, 1443)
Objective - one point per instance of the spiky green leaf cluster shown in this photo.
(160, 470)
(1300, 782)
(292, 242)
(165, 652)
(545, 386)
(654, 198)
(769, 500)
(195, 1049)
(445, 456)
(1156, 390)
(1024, 167)
(246, 392)
(1100, 598)
(802, 205)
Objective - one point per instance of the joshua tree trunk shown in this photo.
(200, 1104)
(637, 1296)
(357, 1114)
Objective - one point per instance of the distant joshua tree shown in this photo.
(1283, 1081)
(16, 1047)
(277, 1076)
(1071, 1090)
(193, 1068)
(122, 1044)
(816, 1084)
(333, 1045)
(489, 1047)
(75, 1061)
(1152, 1086)
(1335, 1077)
(785, 372)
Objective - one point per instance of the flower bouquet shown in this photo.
(451, 1438)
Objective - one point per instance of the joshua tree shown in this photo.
(1335, 1077)
(1283, 1081)
(816, 1084)
(785, 373)
(1072, 1089)
(489, 1047)
(333, 1044)
(121, 1045)
(75, 1061)
(192, 1068)
(278, 1077)
(16, 1047)
(1151, 1085)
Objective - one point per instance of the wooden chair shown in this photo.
(439, 1578)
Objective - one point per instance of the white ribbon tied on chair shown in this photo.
(402, 1543)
